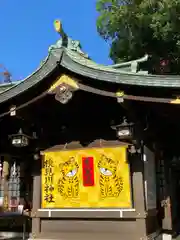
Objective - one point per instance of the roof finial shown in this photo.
(58, 27)
(66, 41)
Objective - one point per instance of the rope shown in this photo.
(99, 92)
(25, 104)
(125, 96)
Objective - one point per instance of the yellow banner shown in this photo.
(87, 178)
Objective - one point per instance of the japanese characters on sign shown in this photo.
(88, 178)
(88, 171)
(48, 180)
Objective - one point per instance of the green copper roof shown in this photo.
(67, 53)
(127, 67)
(75, 60)
(10, 90)
(118, 76)
(6, 86)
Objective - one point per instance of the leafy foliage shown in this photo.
(136, 27)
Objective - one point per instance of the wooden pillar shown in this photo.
(138, 193)
(138, 184)
(36, 198)
(164, 194)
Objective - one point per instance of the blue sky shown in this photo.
(27, 31)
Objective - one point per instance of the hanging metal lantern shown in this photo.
(124, 131)
(20, 139)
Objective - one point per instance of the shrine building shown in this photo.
(91, 151)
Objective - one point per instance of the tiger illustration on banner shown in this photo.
(88, 178)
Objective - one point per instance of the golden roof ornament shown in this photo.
(65, 41)
(58, 26)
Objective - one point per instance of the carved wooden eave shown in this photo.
(72, 84)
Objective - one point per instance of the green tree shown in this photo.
(136, 27)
